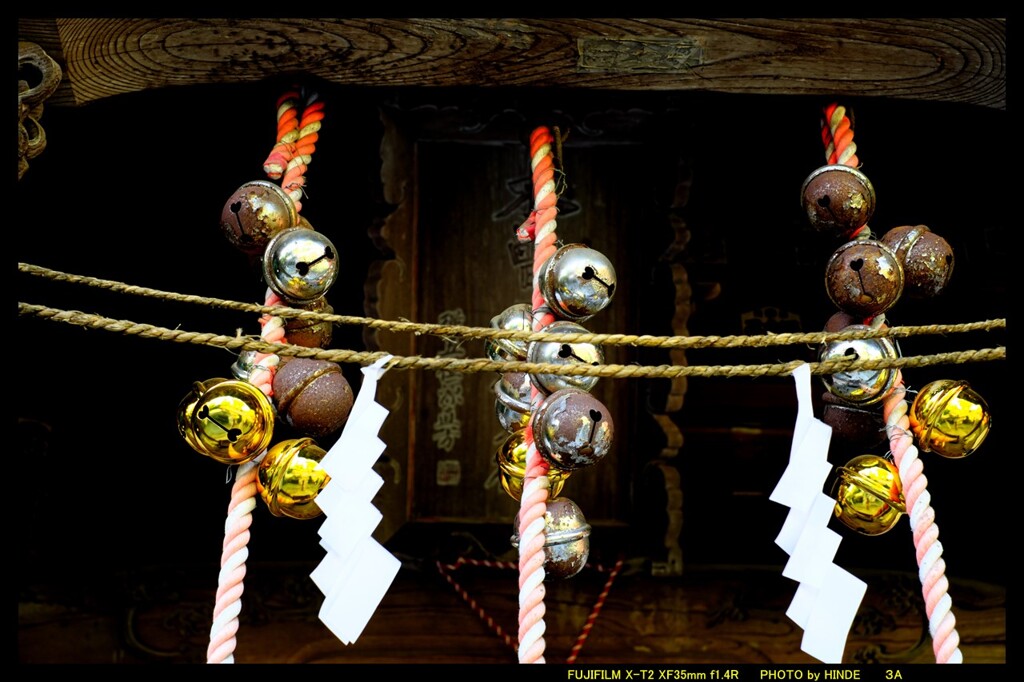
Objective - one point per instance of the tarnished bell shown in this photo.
(256, 212)
(518, 317)
(300, 264)
(861, 386)
(869, 495)
(864, 277)
(577, 282)
(851, 424)
(926, 257)
(566, 539)
(837, 199)
(949, 418)
(511, 459)
(572, 429)
(307, 332)
(290, 477)
(513, 400)
(564, 354)
(227, 420)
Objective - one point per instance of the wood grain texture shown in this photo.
(954, 60)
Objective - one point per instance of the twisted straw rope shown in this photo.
(474, 365)
(536, 485)
(645, 340)
(932, 567)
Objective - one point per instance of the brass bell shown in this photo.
(256, 212)
(227, 420)
(948, 417)
(513, 400)
(869, 495)
(559, 353)
(860, 386)
(518, 317)
(577, 282)
(308, 332)
(290, 477)
(511, 459)
(572, 429)
(864, 277)
(566, 540)
(837, 199)
(926, 257)
(300, 264)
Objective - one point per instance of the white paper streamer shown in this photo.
(356, 571)
(827, 597)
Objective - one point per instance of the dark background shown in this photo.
(130, 188)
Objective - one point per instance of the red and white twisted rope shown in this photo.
(931, 566)
(536, 485)
(837, 136)
(296, 137)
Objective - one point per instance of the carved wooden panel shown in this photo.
(459, 179)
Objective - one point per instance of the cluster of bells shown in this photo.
(864, 278)
(231, 420)
(571, 428)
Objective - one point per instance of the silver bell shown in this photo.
(572, 429)
(561, 353)
(862, 386)
(566, 538)
(513, 401)
(245, 363)
(577, 282)
(518, 317)
(300, 264)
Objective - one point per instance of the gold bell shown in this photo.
(511, 458)
(869, 495)
(290, 477)
(949, 418)
(228, 420)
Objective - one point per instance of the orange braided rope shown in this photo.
(297, 134)
(840, 149)
(931, 566)
(533, 504)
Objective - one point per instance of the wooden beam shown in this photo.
(952, 60)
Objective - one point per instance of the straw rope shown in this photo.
(474, 365)
(644, 340)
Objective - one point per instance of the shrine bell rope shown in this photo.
(297, 130)
(837, 136)
(540, 229)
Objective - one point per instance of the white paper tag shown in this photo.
(356, 571)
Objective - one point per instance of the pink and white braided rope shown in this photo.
(235, 550)
(536, 485)
(931, 566)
